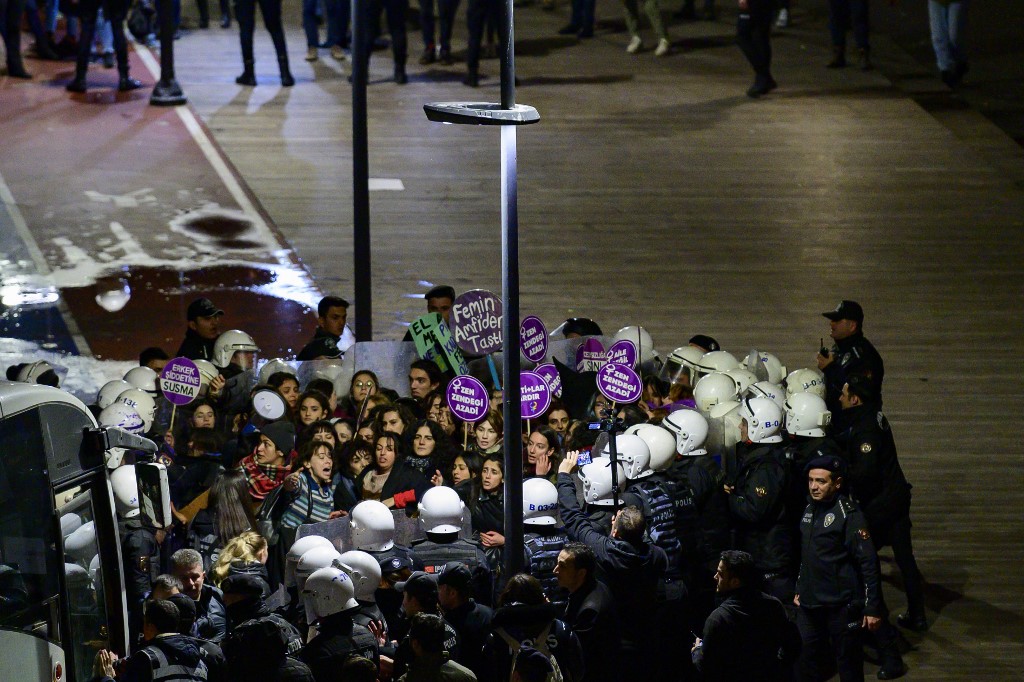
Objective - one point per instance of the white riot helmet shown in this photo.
(144, 378)
(364, 569)
(806, 380)
(33, 371)
(207, 373)
(142, 403)
(660, 441)
(295, 552)
(373, 526)
(690, 429)
(231, 342)
(122, 416)
(69, 523)
(713, 389)
(764, 420)
(717, 361)
(766, 389)
(633, 453)
(328, 591)
(806, 415)
(329, 369)
(126, 491)
(109, 392)
(766, 366)
(441, 510)
(273, 367)
(540, 502)
(682, 361)
(641, 339)
(81, 545)
(744, 378)
(313, 560)
(597, 481)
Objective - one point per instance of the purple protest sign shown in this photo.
(622, 353)
(467, 398)
(550, 374)
(589, 356)
(533, 338)
(180, 381)
(476, 322)
(534, 395)
(619, 383)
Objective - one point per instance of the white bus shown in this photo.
(62, 595)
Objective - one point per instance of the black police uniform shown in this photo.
(435, 551)
(140, 557)
(839, 583)
(195, 347)
(472, 622)
(211, 617)
(324, 344)
(854, 355)
(338, 638)
(877, 482)
(757, 505)
(392, 560)
(590, 612)
(171, 657)
(541, 547)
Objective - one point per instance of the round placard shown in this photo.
(622, 353)
(550, 374)
(534, 395)
(476, 322)
(619, 383)
(180, 381)
(467, 398)
(533, 338)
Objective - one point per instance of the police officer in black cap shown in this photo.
(852, 354)
(877, 482)
(203, 330)
(839, 589)
(332, 314)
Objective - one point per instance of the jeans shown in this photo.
(844, 15)
(948, 24)
(583, 14)
(309, 23)
(652, 8)
(753, 35)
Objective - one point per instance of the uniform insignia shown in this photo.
(829, 518)
(865, 448)
(864, 534)
(761, 491)
(143, 562)
(845, 360)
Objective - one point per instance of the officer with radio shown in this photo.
(852, 354)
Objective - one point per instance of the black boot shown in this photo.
(472, 78)
(17, 70)
(864, 59)
(400, 76)
(838, 58)
(78, 84)
(125, 83)
(286, 75)
(204, 13)
(248, 76)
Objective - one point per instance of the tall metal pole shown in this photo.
(361, 174)
(510, 307)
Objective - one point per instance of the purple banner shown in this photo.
(180, 381)
(622, 353)
(476, 322)
(533, 338)
(589, 356)
(550, 374)
(467, 398)
(534, 395)
(619, 383)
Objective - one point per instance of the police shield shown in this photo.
(723, 432)
(754, 364)
(389, 360)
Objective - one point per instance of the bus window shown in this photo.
(29, 586)
(84, 580)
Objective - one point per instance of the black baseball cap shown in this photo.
(846, 310)
(394, 564)
(862, 387)
(246, 584)
(706, 342)
(202, 307)
(419, 585)
(455, 574)
(831, 463)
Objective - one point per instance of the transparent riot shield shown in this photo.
(724, 434)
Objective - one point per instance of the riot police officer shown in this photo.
(543, 537)
(442, 513)
(852, 354)
(140, 546)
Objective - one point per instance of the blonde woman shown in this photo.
(246, 553)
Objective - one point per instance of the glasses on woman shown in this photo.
(364, 384)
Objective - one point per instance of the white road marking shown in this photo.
(386, 185)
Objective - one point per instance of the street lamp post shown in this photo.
(507, 115)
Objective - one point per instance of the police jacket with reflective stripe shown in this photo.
(541, 551)
(653, 497)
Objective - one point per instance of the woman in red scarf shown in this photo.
(269, 464)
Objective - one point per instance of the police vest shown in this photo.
(435, 555)
(165, 671)
(541, 556)
(662, 526)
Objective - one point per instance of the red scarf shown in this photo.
(262, 478)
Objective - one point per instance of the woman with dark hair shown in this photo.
(321, 430)
(288, 386)
(487, 507)
(227, 515)
(344, 430)
(462, 473)
(353, 458)
(543, 452)
(364, 384)
(388, 479)
(488, 434)
(524, 614)
(313, 406)
(438, 410)
(427, 445)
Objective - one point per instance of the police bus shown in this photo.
(62, 595)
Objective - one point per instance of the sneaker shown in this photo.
(634, 45)
(311, 54)
(337, 53)
(783, 19)
(662, 49)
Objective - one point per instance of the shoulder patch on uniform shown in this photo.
(865, 448)
(143, 563)
(829, 519)
(864, 534)
(846, 507)
(761, 491)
